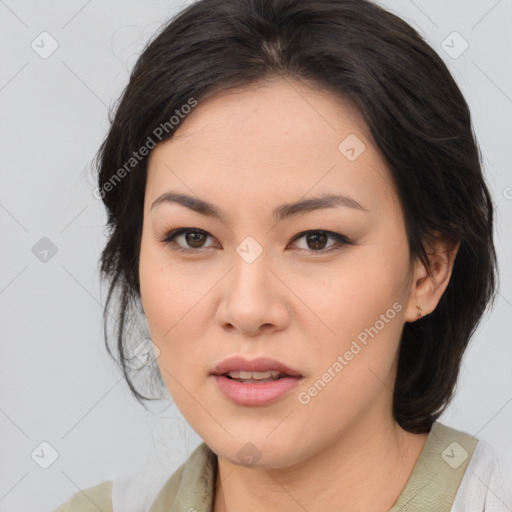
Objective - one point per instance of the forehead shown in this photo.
(276, 137)
(274, 109)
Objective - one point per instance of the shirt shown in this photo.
(455, 472)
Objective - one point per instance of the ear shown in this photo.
(426, 291)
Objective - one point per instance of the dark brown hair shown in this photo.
(416, 115)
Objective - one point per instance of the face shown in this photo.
(320, 288)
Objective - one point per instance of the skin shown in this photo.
(248, 151)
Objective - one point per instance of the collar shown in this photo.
(432, 485)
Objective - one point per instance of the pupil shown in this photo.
(195, 238)
(316, 243)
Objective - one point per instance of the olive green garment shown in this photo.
(432, 484)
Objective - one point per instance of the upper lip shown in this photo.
(260, 364)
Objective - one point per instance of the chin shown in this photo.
(259, 452)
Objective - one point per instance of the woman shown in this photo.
(296, 202)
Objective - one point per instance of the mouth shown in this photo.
(259, 369)
(267, 376)
(257, 382)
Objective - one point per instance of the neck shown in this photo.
(366, 468)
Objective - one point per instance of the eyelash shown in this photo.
(340, 239)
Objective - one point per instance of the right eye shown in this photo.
(194, 237)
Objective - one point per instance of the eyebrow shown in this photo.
(279, 213)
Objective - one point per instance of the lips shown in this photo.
(259, 382)
(260, 364)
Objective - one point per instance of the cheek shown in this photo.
(171, 294)
(353, 365)
(363, 304)
(357, 292)
(168, 290)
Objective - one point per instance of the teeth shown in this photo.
(237, 374)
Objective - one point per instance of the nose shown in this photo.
(254, 299)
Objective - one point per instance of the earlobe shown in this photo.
(416, 305)
(427, 289)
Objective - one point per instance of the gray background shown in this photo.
(57, 384)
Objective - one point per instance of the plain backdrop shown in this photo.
(67, 419)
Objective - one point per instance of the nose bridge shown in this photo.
(250, 276)
(251, 295)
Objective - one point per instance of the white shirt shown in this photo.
(487, 483)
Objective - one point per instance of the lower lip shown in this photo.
(257, 393)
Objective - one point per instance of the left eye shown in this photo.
(316, 239)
